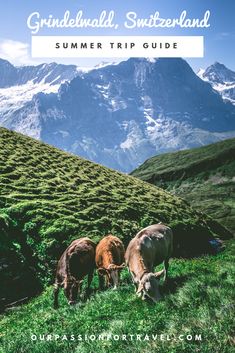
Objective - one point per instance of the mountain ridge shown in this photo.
(119, 115)
(52, 73)
(221, 79)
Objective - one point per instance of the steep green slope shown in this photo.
(204, 176)
(48, 198)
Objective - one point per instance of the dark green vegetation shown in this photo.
(197, 301)
(204, 176)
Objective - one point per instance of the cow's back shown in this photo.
(111, 250)
(77, 260)
(156, 243)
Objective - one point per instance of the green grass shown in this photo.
(199, 300)
(205, 177)
(49, 198)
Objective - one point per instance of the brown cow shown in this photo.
(149, 248)
(109, 260)
(77, 261)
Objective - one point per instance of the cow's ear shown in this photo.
(159, 273)
(102, 271)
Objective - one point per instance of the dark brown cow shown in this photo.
(109, 260)
(77, 261)
(149, 248)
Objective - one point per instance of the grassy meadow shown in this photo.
(49, 198)
(198, 301)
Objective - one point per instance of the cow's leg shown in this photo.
(136, 284)
(166, 266)
(56, 293)
(90, 276)
(133, 281)
(67, 287)
(80, 288)
(108, 281)
(73, 292)
(101, 282)
(69, 290)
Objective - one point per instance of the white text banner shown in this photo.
(121, 46)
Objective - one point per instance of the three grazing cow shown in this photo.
(149, 248)
(77, 261)
(109, 260)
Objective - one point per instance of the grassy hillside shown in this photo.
(47, 199)
(204, 176)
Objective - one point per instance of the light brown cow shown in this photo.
(149, 248)
(109, 260)
(77, 261)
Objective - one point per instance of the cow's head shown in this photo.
(112, 274)
(72, 287)
(149, 286)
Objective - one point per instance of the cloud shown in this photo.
(224, 35)
(16, 52)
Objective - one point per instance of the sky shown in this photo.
(15, 36)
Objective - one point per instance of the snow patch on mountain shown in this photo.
(104, 64)
(15, 97)
(201, 72)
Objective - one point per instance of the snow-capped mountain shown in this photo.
(119, 115)
(45, 73)
(18, 86)
(222, 80)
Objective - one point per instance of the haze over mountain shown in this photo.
(117, 115)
